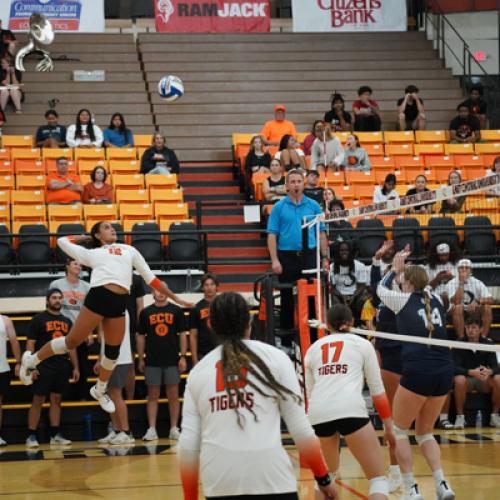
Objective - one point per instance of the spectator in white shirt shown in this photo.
(441, 267)
(84, 133)
(387, 191)
(495, 169)
(328, 148)
(470, 296)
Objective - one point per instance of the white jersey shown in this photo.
(110, 263)
(4, 365)
(236, 461)
(474, 290)
(346, 281)
(336, 367)
(125, 356)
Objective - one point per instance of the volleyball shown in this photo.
(170, 88)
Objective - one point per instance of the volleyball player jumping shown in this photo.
(336, 367)
(112, 265)
(427, 373)
(233, 403)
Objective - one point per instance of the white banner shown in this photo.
(84, 16)
(349, 15)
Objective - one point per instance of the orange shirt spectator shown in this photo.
(97, 191)
(63, 187)
(275, 129)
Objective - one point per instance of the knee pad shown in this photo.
(58, 345)
(400, 433)
(379, 485)
(111, 353)
(422, 438)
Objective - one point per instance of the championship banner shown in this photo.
(349, 15)
(84, 16)
(218, 16)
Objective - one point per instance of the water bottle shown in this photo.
(479, 419)
(87, 427)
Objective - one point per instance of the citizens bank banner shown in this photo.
(84, 16)
(205, 16)
(349, 15)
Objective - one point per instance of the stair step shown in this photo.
(257, 243)
(222, 210)
(233, 236)
(201, 182)
(214, 197)
(203, 170)
(240, 269)
(236, 287)
(237, 252)
(222, 220)
(220, 190)
(219, 177)
(207, 164)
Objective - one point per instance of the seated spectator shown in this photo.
(51, 135)
(258, 159)
(420, 187)
(338, 118)
(476, 371)
(366, 111)
(84, 133)
(158, 159)
(477, 105)
(63, 188)
(441, 267)
(411, 113)
(327, 202)
(387, 191)
(334, 229)
(316, 133)
(495, 169)
(330, 151)
(312, 187)
(290, 155)
(7, 42)
(275, 129)
(117, 135)
(274, 187)
(97, 191)
(455, 204)
(356, 157)
(464, 128)
(468, 296)
(10, 77)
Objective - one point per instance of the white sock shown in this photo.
(443, 416)
(101, 386)
(438, 476)
(394, 470)
(408, 480)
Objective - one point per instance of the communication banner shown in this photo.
(219, 16)
(349, 15)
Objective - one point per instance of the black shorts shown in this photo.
(51, 380)
(390, 360)
(427, 383)
(106, 303)
(4, 383)
(270, 496)
(344, 426)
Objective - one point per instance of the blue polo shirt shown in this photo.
(286, 221)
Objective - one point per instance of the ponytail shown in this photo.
(427, 305)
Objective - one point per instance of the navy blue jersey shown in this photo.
(412, 320)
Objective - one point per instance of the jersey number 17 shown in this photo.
(327, 349)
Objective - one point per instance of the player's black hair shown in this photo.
(363, 89)
(209, 276)
(339, 317)
(122, 129)
(284, 141)
(50, 112)
(92, 174)
(337, 261)
(391, 178)
(462, 105)
(433, 258)
(337, 97)
(96, 243)
(411, 89)
(90, 126)
(52, 291)
(478, 87)
(474, 319)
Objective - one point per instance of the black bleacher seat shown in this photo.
(34, 244)
(479, 237)
(370, 237)
(5, 246)
(119, 232)
(183, 247)
(334, 235)
(67, 230)
(148, 244)
(442, 230)
(406, 231)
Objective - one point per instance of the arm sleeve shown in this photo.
(377, 195)
(98, 136)
(39, 137)
(265, 132)
(33, 329)
(315, 153)
(130, 137)
(78, 252)
(394, 300)
(141, 266)
(86, 193)
(141, 323)
(339, 152)
(484, 291)
(105, 135)
(367, 166)
(375, 274)
(173, 161)
(70, 137)
(308, 373)
(375, 384)
(194, 318)
(293, 131)
(248, 162)
(273, 224)
(146, 162)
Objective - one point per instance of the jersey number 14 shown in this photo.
(435, 317)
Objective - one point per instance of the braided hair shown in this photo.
(418, 277)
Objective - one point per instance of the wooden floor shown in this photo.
(86, 471)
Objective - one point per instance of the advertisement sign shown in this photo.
(220, 16)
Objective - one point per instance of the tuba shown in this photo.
(41, 33)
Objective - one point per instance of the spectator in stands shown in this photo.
(420, 187)
(495, 169)
(356, 157)
(476, 371)
(338, 118)
(477, 105)
(97, 191)
(275, 129)
(469, 296)
(7, 42)
(334, 230)
(316, 133)
(274, 187)
(7, 332)
(387, 191)
(441, 266)
(84, 133)
(10, 77)
(117, 135)
(411, 112)
(464, 128)
(366, 111)
(453, 205)
(327, 149)
(61, 186)
(158, 159)
(51, 135)
(312, 187)
(327, 203)
(258, 159)
(290, 155)
(51, 376)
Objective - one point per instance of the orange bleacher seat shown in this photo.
(171, 211)
(257, 182)
(381, 174)
(124, 166)
(402, 187)
(6, 167)
(89, 154)
(404, 162)
(30, 182)
(333, 179)
(26, 153)
(85, 167)
(28, 197)
(4, 154)
(136, 211)
(342, 136)
(25, 213)
(492, 148)
(470, 173)
(166, 195)
(17, 141)
(398, 149)
(28, 166)
(161, 181)
(490, 135)
(374, 149)
(440, 162)
(442, 174)
(96, 213)
(128, 181)
(459, 149)
(143, 141)
(411, 174)
(356, 177)
(5, 197)
(370, 137)
(432, 136)
(429, 149)
(472, 160)
(5, 215)
(399, 137)
(129, 196)
(241, 152)
(364, 193)
(301, 137)
(6, 182)
(383, 162)
(121, 154)
(55, 153)
(67, 213)
(345, 192)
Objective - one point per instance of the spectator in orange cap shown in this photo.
(275, 129)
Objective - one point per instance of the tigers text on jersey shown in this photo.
(110, 263)
(336, 367)
(236, 461)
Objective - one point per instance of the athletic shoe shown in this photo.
(3, 442)
(444, 492)
(32, 442)
(27, 366)
(174, 433)
(122, 438)
(495, 420)
(59, 439)
(395, 481)
(413, 494)
(445, 424)
(103, 398)
(108, 438)
(151, 435)
(459, 422)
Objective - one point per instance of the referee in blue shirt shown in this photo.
(284, 240)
